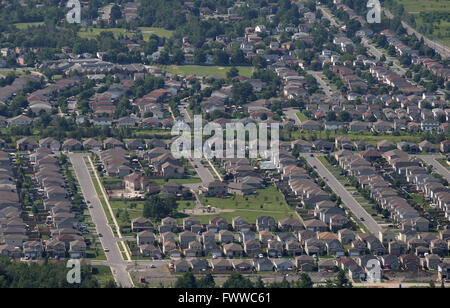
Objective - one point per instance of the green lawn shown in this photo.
(146, 32)
(443, 162)
(415, 6)
(24, 25)
(268, 199)
(251, 216)
(221, 71)
(94, 32)
(190, 180)
(301, 117)
(440, 29)
(102, 273)
(367, 136)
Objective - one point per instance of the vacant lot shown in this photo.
(367, 137)
(220, 71)
(146, 32)
(439, 26)
(24, 25)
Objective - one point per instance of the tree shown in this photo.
(237, 281)
(199, 56)
(220, 58)
(187, 281)
(237, 57)
(259, 62)
(207, 282)
(233, 72)
(342, 281)
(305, 281)
(159, 207)
(259, 283)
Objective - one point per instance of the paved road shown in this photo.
(203, 172)
(346, 197)
(291, 113)
(328, 16)
(326, 88)
(114, 256)
(377, 54)
(441, 49)
(437, 167)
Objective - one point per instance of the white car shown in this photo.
(106, 249)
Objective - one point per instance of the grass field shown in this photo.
(251, 216)
(440, 30)
(415, 6)
(146, 32)
(301, 117)
(367, 137)
(443, 162)
(102, 273)
(220, 71)
(24, 25)
(266, 201)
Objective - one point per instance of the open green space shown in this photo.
(433, 28)
(212, 70)
(24, 25)
(91, 32)
(414, 6)
(250, 215)
(443, 162)
(366, 136)
(268, 199)
(301, 117)
(102, 273)
(148, 31)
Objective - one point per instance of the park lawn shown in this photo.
(269, 198)
(440, 29)
(102, 273)
(443, 162)
(96, 254)
(127, 204)
(250, 215)
(24, 25)
(367, 137)
(92, 32)
(190, 180)
(201, 70)
(301, 117)
(414, 6)
(148, 31)
(111, 183)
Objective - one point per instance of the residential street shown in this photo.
(346, 197)
(444, 51)
(437, 167)
(114, 256)
(318, 76)
(291, 113)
